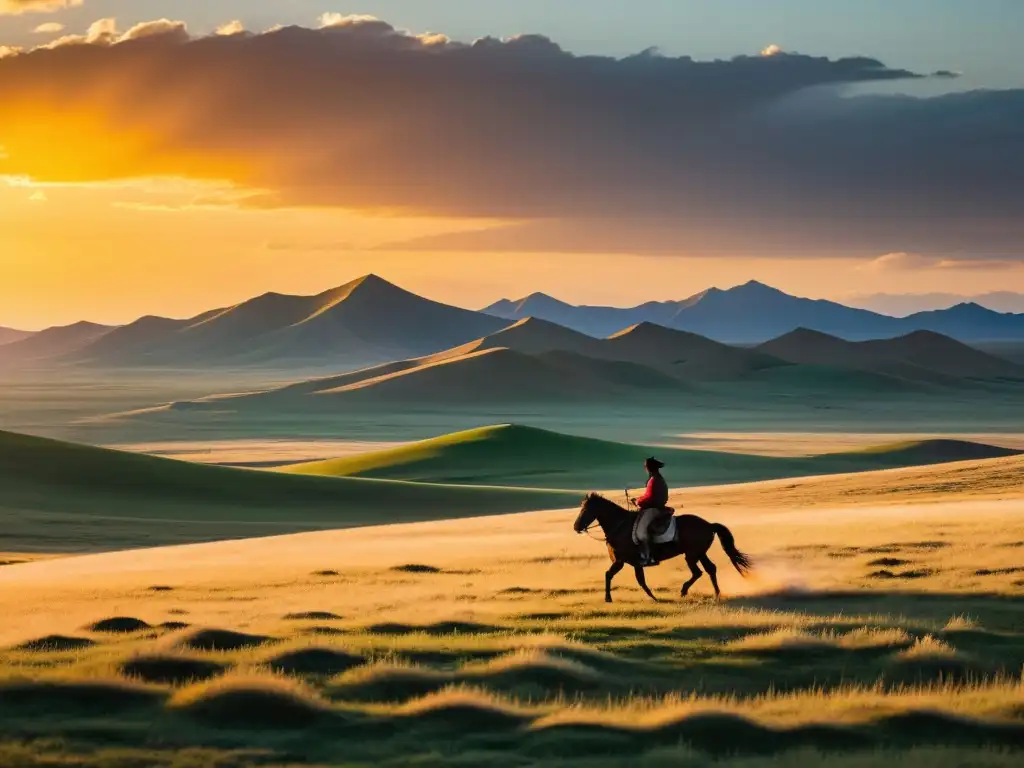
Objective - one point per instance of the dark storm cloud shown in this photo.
(645, 153)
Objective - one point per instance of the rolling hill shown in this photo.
(53, 342)
(915, 355)
(753, 313)
(593, 321)
(535, 363)
(515, 455)
(8, 335)
(487, 376)
(530, 336)
(46, 483)
(685, 355)
(364, 322)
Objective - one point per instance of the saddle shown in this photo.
(662, 529)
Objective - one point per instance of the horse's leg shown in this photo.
(697, 573)
(712, 572)
(608, 576)
(641, 579)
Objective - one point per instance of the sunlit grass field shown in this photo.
(878, 629)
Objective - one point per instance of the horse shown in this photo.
(693, 538)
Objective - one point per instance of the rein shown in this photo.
(595, 538)
(612, 532)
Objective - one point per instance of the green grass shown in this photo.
(515, 455)
(717, 684)
(56, 495)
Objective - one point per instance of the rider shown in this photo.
(651, 504)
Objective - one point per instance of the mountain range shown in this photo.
(370, 322)
(534, 362)
(364, 322)
(753, 312)
(903, 304)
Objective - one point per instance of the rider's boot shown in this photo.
(646, 559)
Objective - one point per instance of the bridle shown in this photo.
(613, 531)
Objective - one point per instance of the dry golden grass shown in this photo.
(498, 644)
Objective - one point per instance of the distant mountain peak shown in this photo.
(538, 299)
(369, 286)
(644, 329)
(755, 286)
(809, 333)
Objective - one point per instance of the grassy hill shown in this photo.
(514, 455)
(487, 376)
(920, 355)
(915, 453)
(48, 487)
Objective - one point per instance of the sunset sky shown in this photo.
(165, 158)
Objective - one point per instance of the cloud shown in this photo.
(18, 7)
(160, 28)
(49, 28)
(100, 32)
(338, 20)
(646, 153)
(908, 262)
(235, 27)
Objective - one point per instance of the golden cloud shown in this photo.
(643, 153)
(18, 7)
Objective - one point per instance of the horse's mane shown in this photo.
(594, 496)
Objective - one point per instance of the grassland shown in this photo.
(880, 628)
(516, 455)
(58, 496)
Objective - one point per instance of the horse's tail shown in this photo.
(740, 561)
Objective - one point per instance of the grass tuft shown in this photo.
(263, 701)
(55, 644)
(221, 640)
(170, 670)
(119, 625)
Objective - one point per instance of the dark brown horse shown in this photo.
(693, 539)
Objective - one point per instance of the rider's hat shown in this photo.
(653, 462)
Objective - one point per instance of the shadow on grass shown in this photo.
(994, 610)
(722, 734)
(315, 662)
(311, 616)
(86, 697)
(171, 670)
(222, 640)
(55, 644)
(119, 625)
(436, 629)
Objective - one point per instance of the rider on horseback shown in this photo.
(651, 505)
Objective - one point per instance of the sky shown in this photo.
(166, 158)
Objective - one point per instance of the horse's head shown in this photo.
(587, 515)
